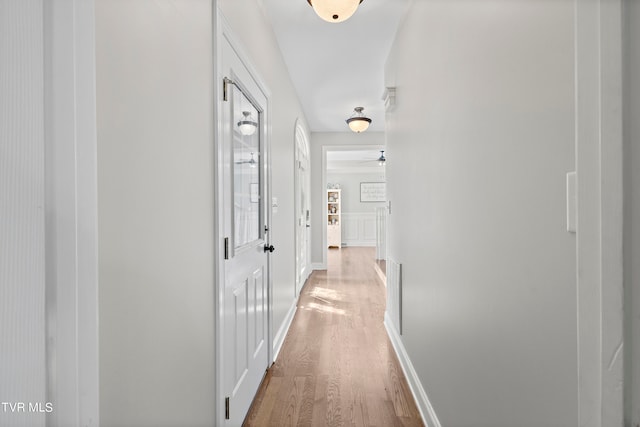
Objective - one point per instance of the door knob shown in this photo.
(269, 248)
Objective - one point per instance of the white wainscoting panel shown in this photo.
(359, 229)
(368, 228)
(349, 227)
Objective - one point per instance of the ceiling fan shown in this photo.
(251, 162)
(381, 159)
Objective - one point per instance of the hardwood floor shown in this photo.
(337, 366)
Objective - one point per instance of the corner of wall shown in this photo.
(631, 132)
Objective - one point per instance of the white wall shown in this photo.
(358, 218)
(156, 201)
(155, 182)
(337, 140)
(350, 185)
(484, 124)
(249, 23)
(632, 215)
(22, 215)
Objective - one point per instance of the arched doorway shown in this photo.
(302, 206)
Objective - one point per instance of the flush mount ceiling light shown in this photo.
(358, 122)
(247, 125)
(334, 10)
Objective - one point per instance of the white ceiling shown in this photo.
(352, 155)
(354, 160)
(337, 67)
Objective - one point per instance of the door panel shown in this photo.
(246, 284)
(259, 315)
(240, 333)
(302, 209)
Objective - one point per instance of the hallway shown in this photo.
(337, 366)
(511, 187)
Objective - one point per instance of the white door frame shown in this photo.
(599, 161)
(301, 142)
(71, 223)
(222, 32)
(325, 149)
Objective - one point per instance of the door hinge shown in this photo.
(226, 408)
(226, 248)
(225, 84)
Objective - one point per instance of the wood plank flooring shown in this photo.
(337, 366)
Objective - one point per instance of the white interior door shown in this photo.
(303, 221)
(246, 284)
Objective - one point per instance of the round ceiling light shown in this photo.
(247, 126)
(334, 10)
(358, 122)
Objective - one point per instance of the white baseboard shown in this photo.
(306, 273)
(279, 337)
(382, 275)
(318, 266)
(424, 405)
(360, 243)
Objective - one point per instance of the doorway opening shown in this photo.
(302, 205)
(244, 339)
(355, 200)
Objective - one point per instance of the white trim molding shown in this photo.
(71, 213)
(325, 149)
(427, 412)
(279, 336)
(318, 266)
(599, 148)
(389, 98)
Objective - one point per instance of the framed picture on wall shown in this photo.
(373, 191)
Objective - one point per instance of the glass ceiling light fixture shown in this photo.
(358, 122)
(334, 10)
(247, 125)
